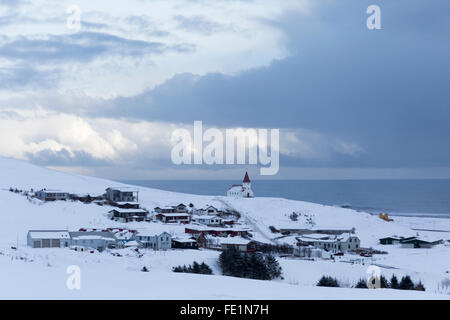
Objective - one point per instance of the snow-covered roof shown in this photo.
(129, 210)
(235, 240)
(127, 202)
(205, 217)
(184, 239)
(316, 236)
(424, 239)
(122, 189)
(132, 244)
(174, 214)
(92, 237)
(236, 187)
(205, 228)
(52, 191)
(49, 234)
(148, 233)
(326, 238)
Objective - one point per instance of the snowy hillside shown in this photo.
(41, 273)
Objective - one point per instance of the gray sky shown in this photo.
(349, 102)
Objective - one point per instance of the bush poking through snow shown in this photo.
(384, 283)
(394, 282)
(406, 283)
(419, 287)
(294, 216)
(327, 281)
(362, 284)
(202, 268)
(144, 269)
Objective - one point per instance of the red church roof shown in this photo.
(246, 178)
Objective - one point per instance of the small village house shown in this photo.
(127, 205)
(180, 208)
(243, 245)
(207, 220)
(394, 240)
(318, 230)
(173, 217)
(99, 240)
(184, 243)
(122, 194)
(208, 241)
(166, 209)
(52, 195)
(209, 210)
(123, 236)
(128, 215)
(420, 243)
(335, 243)
(311, 253)
(48, 239)
(153, 241)
(197, 230)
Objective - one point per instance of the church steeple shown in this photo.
(246, 178)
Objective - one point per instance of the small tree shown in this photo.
(205, 269)
(362, 284)
(419, 286)
(294, 216)
(195, 268)
(394, 282)
(273, 267)
(406, 283)
(327, 281)
(384, 283)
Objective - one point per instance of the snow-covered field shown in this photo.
(41, 273)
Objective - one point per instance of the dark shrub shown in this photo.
(394, 282)
(419, 287)
(406, 283)
(362, 284)
(384, 282)
(327, 281)
(202, 268)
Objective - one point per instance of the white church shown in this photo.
(243, 190)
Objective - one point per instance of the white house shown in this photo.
(52, 195)
(48, 239)
(334, 243)
(243, 190)
(162, 241)
(209, 210)
(99, 240)
(174, 217)
(123, 194)
(207, 220)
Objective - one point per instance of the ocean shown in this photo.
(430, 198)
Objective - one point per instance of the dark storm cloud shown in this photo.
(385, 89)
